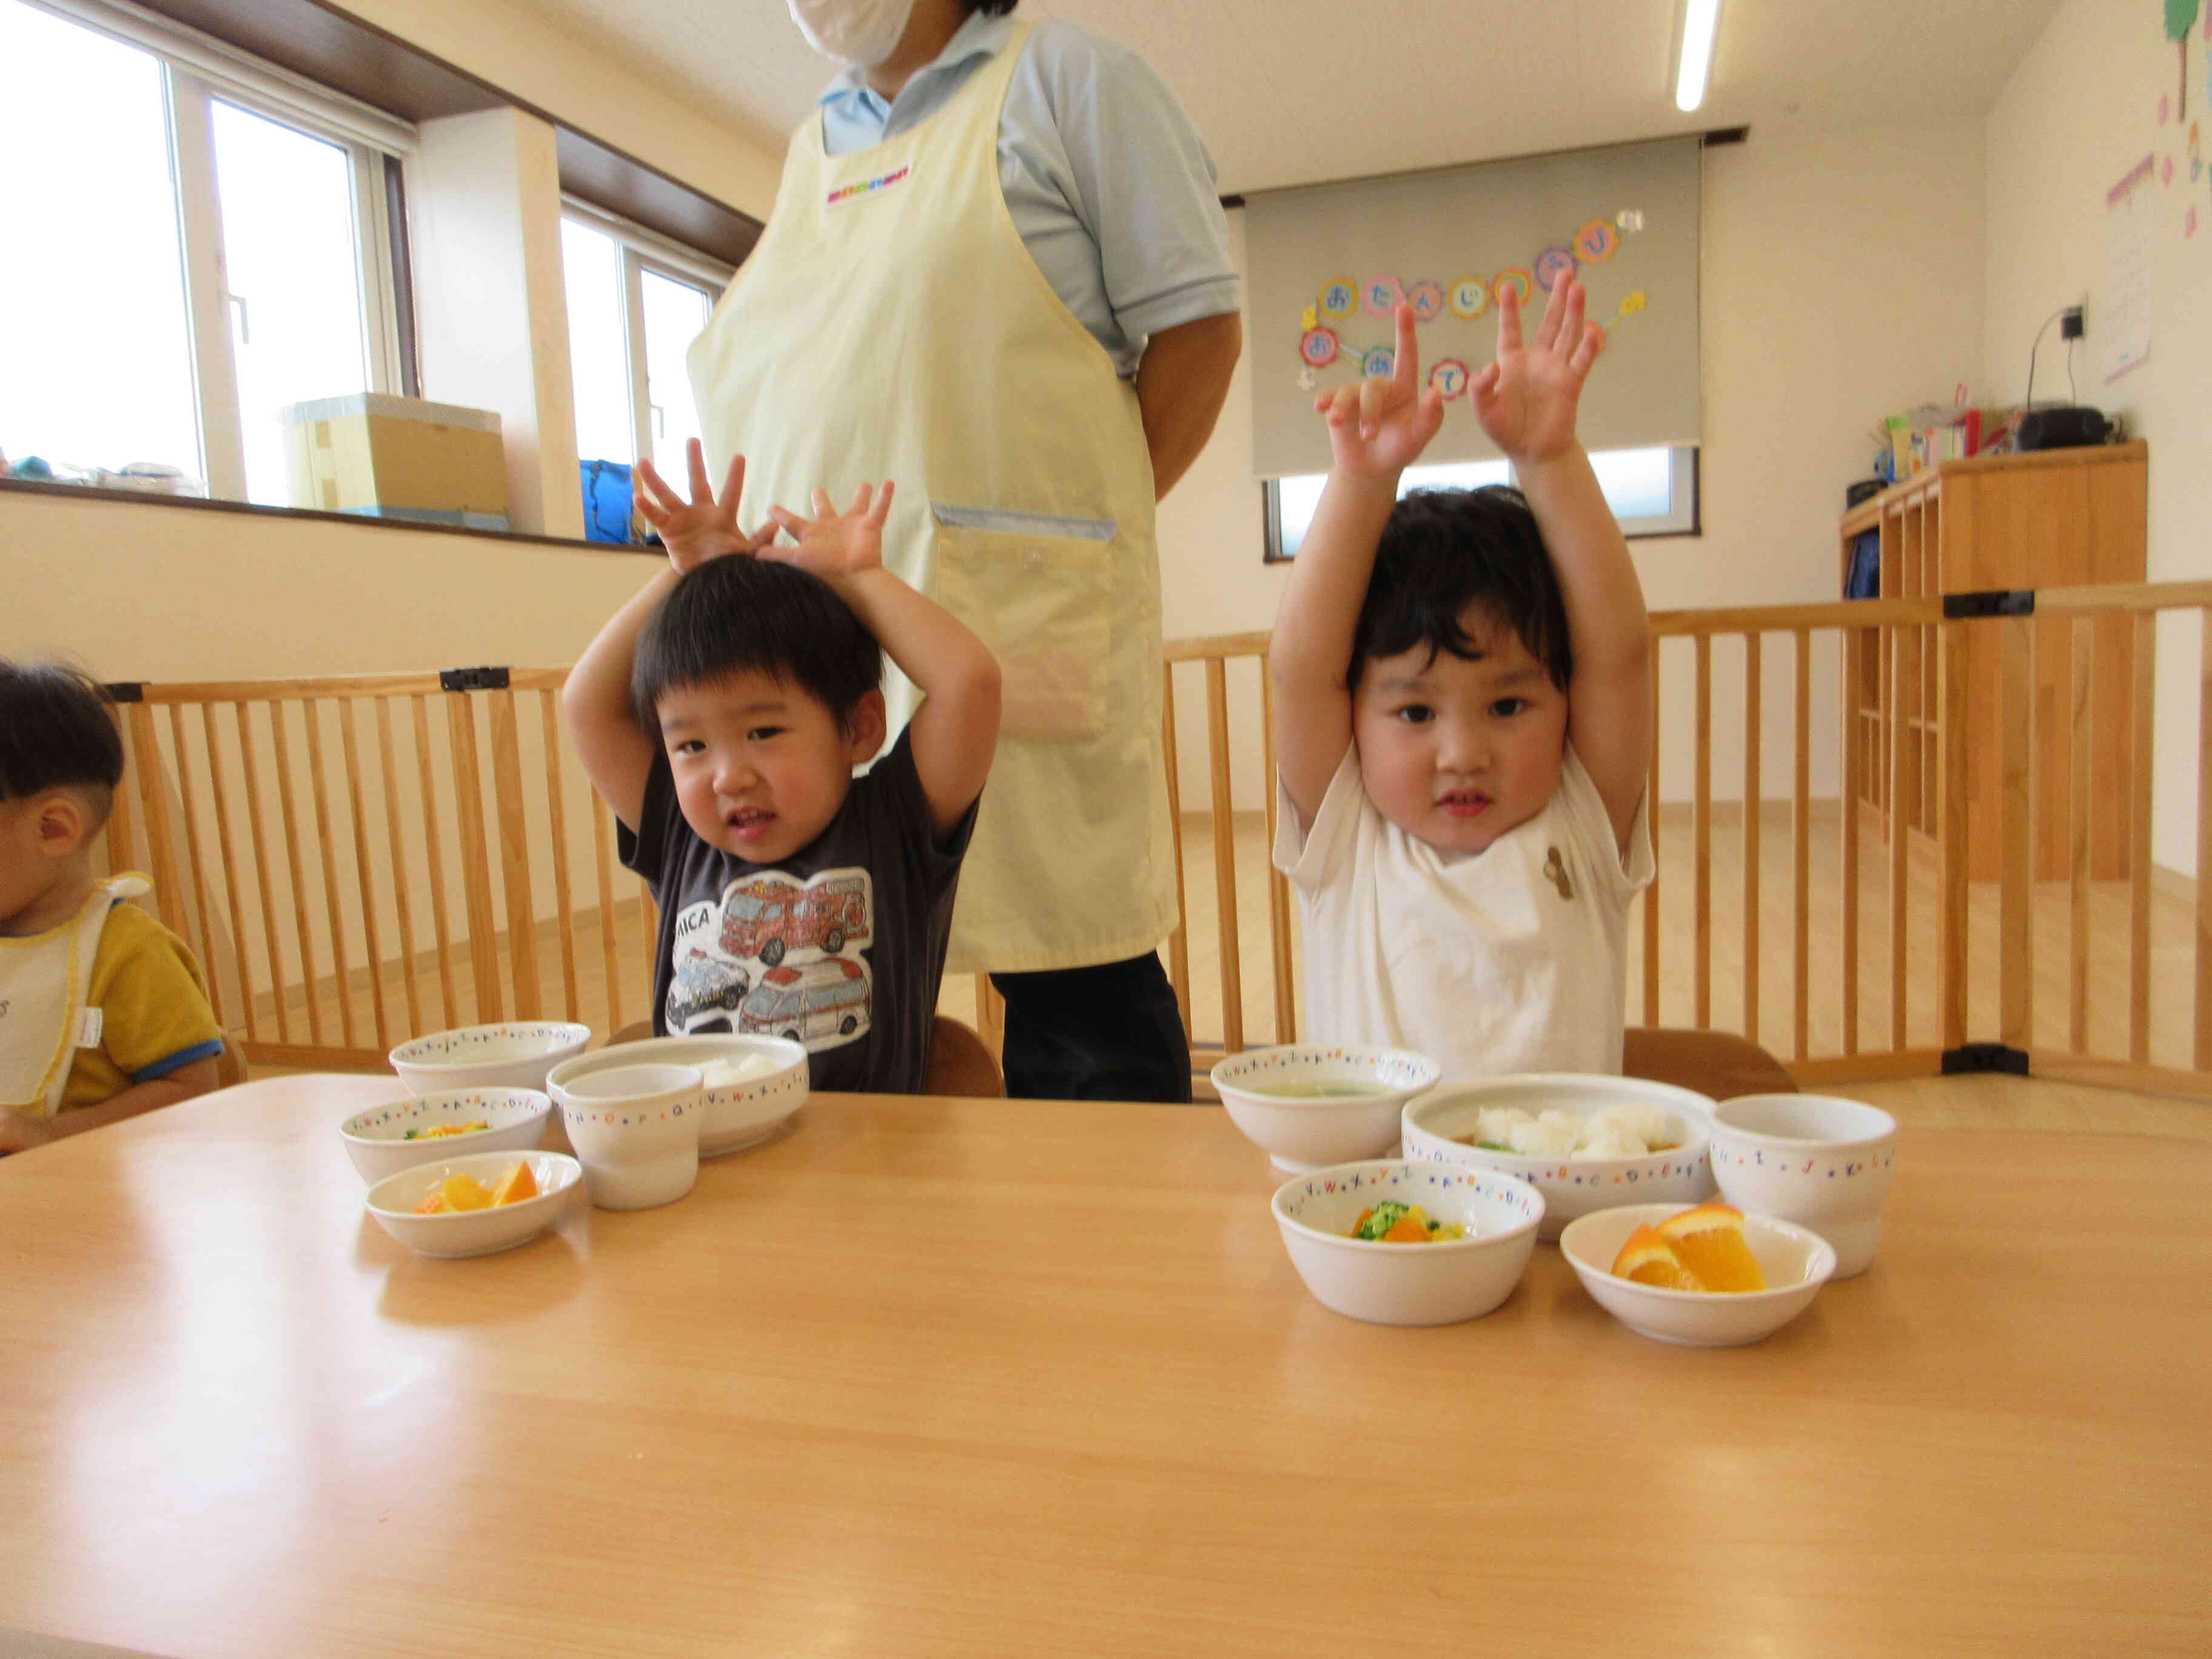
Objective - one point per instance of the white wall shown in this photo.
(2080, 112)
(514, 48)
(1842, 280)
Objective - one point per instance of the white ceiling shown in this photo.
(1293, 92)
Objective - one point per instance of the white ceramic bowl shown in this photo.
(512, 1056)
(1409, 1284)
(472, 1233)
(1822, 1163)
(1572, 1187)
(1796, 1261)
(636, 1128)
(376, 1139)
(1301, 1134)
(738, 1114)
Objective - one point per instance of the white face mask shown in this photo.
(861, 33)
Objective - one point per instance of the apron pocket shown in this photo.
(1038, 590)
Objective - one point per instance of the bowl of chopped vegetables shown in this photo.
(402, 1134)
(476, 1205)
(1585, 1142)
(1401, 1242)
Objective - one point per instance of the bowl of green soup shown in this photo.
(1306, 1104)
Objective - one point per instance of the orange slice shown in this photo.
(1709, 1240)
(517, 1184)
(1648, 1259)
(464, 1193)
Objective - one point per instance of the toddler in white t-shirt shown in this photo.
(1462, 711)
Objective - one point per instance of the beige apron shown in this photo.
(890, 325)
(45, 982)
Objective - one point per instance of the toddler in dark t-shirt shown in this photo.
(721, 713)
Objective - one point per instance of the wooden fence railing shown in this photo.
(350, 856)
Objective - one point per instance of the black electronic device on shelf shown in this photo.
(2064, 427)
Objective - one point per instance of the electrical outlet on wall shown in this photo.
(2071, 326)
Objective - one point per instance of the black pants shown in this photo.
(1111, 1032)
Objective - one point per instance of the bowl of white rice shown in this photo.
(1585, 1142)
(754, 1085)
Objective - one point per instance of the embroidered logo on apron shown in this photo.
(868, 189)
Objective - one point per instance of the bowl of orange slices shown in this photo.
(1707, 1276)
(476, 1205)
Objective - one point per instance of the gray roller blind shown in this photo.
(1332, 256)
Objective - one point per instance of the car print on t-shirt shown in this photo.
(765, 960)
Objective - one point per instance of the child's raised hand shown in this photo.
(1379, 425)
(1526, 400)
(832, 545)
(702, 528)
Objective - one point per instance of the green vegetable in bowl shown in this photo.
(1379, 1220)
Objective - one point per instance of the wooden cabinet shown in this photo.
(2060, 518)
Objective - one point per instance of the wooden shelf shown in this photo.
(2049, 519)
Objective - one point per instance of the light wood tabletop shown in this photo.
(936, 1378)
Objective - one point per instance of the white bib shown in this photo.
(45, 981)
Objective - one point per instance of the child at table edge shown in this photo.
(1463, 721)
(721, 713)
(103, 1012)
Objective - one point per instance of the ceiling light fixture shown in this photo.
(1695, 61)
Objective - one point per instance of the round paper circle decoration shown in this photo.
(1448, 379)
(1383, 295)
(1554, 265)
(1340, 299)
(1427, 299)
(1317, 346)
(1379, 361)
(1470, 296)
(1597, 241)
(1517, 279)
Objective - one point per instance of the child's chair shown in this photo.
(959, 1064)
(1718, 1064)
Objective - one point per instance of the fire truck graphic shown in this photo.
(770, 916)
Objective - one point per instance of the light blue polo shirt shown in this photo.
(1106, 179)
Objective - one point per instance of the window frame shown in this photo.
(637, 251)
(1686, 486)
(197, 72)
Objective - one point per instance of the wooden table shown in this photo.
(972, 1377)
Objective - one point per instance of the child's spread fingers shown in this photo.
(883, 508)
(733, 486)
(1586, 351)
(700, 489)
(1405, 363)
(785, 519)
(1372, 394)
(822, 507)
(659, 498)
(1340, 405)
(1571, 318)
(1484, 386)
(1548, 325)
(1509, 318)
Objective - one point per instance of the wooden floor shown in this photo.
(2036, 1104)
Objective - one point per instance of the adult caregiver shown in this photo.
(997, 273)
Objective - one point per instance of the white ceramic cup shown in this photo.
(1823, 1163)
(636, 1129)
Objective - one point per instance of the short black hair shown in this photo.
(55, 732)
(736, 613)
(1444, 549)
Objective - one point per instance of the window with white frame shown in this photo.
(211, 240)
(1652, 492)
(636, 303)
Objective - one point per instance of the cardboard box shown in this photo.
(398, 458)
